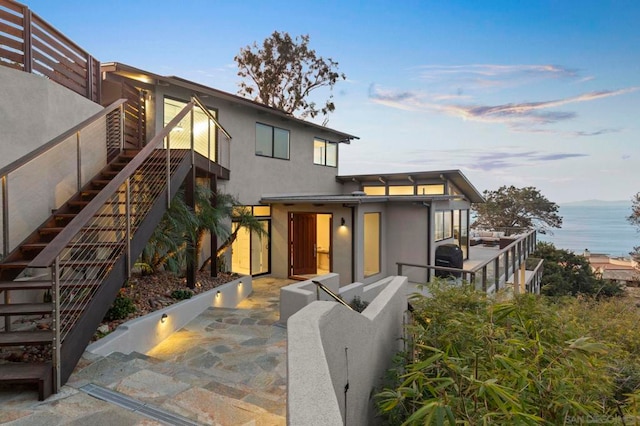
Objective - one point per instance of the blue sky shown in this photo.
(539, 93)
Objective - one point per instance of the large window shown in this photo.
(250, 254)
(325, 153)
(272, 141)
(371, 244)
(204, 130)
(443, 225)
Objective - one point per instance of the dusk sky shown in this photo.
(539, 93)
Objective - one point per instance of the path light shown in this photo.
(163, 319)
(218, 293)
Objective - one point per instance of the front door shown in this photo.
(302, 244)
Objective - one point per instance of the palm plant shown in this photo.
(181, 225)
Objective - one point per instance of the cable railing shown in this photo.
(41, 181)
(491, 275)
(30, 44)
(83, 254)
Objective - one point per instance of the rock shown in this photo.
(104, 328)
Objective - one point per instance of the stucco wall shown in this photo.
(34, 110)
(253, 176)
(322, 361)
(407, 236)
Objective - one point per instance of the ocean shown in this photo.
(599, 226)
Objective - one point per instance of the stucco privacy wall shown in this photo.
(34, 110)
(330, 346)
(253, 176)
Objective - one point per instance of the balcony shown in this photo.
(489, 268)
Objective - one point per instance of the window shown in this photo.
(371, 244)
(443, 226)
(325, 153)
(401, 190)
(431, 189)
(204, 130)
(375, 190)
(272, 141)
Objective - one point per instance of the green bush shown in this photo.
(121, 308)
(181, 294)
(524, 361)
(358, 304)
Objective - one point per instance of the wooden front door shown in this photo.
(302, 243)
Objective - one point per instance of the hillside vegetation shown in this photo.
(531, 360)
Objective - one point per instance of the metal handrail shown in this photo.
(48, 255)
(59, 139)
(331, 294)
(464, 272)
(204, 108)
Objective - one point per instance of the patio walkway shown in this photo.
(226, 367)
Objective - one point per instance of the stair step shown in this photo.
(65, 215)
(33, 246)
(37, 308)
(19, 338)
(16, 264)
(25, 285)
(26, 309)
(50, 230)
(40, 374)
(78, 203)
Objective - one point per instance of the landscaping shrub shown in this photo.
(524, 361)
(181, 294)
(358, 304)
(121, 308)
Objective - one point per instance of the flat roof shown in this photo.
(455, 176)
(150, 78)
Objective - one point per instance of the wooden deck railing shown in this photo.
(30, 44)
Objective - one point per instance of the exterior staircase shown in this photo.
(83, 253)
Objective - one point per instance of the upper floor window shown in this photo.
(401, 189)
(272, 141)
(431, 189)
(325, 153)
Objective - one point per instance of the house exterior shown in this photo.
(285, 171)
(91, 155)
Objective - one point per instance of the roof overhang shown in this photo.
(454, 176)
(149, 78)
(354, 199)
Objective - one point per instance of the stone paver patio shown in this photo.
(226, 367)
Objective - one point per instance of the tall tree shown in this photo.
(511, 207)
(634, 219)
(284, 71)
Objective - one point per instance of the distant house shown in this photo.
(620, 270)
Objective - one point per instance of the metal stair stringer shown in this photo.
(79, 336)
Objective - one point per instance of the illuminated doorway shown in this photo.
(309, 243)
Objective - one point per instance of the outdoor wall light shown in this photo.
(342, 222)
(163, 319)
